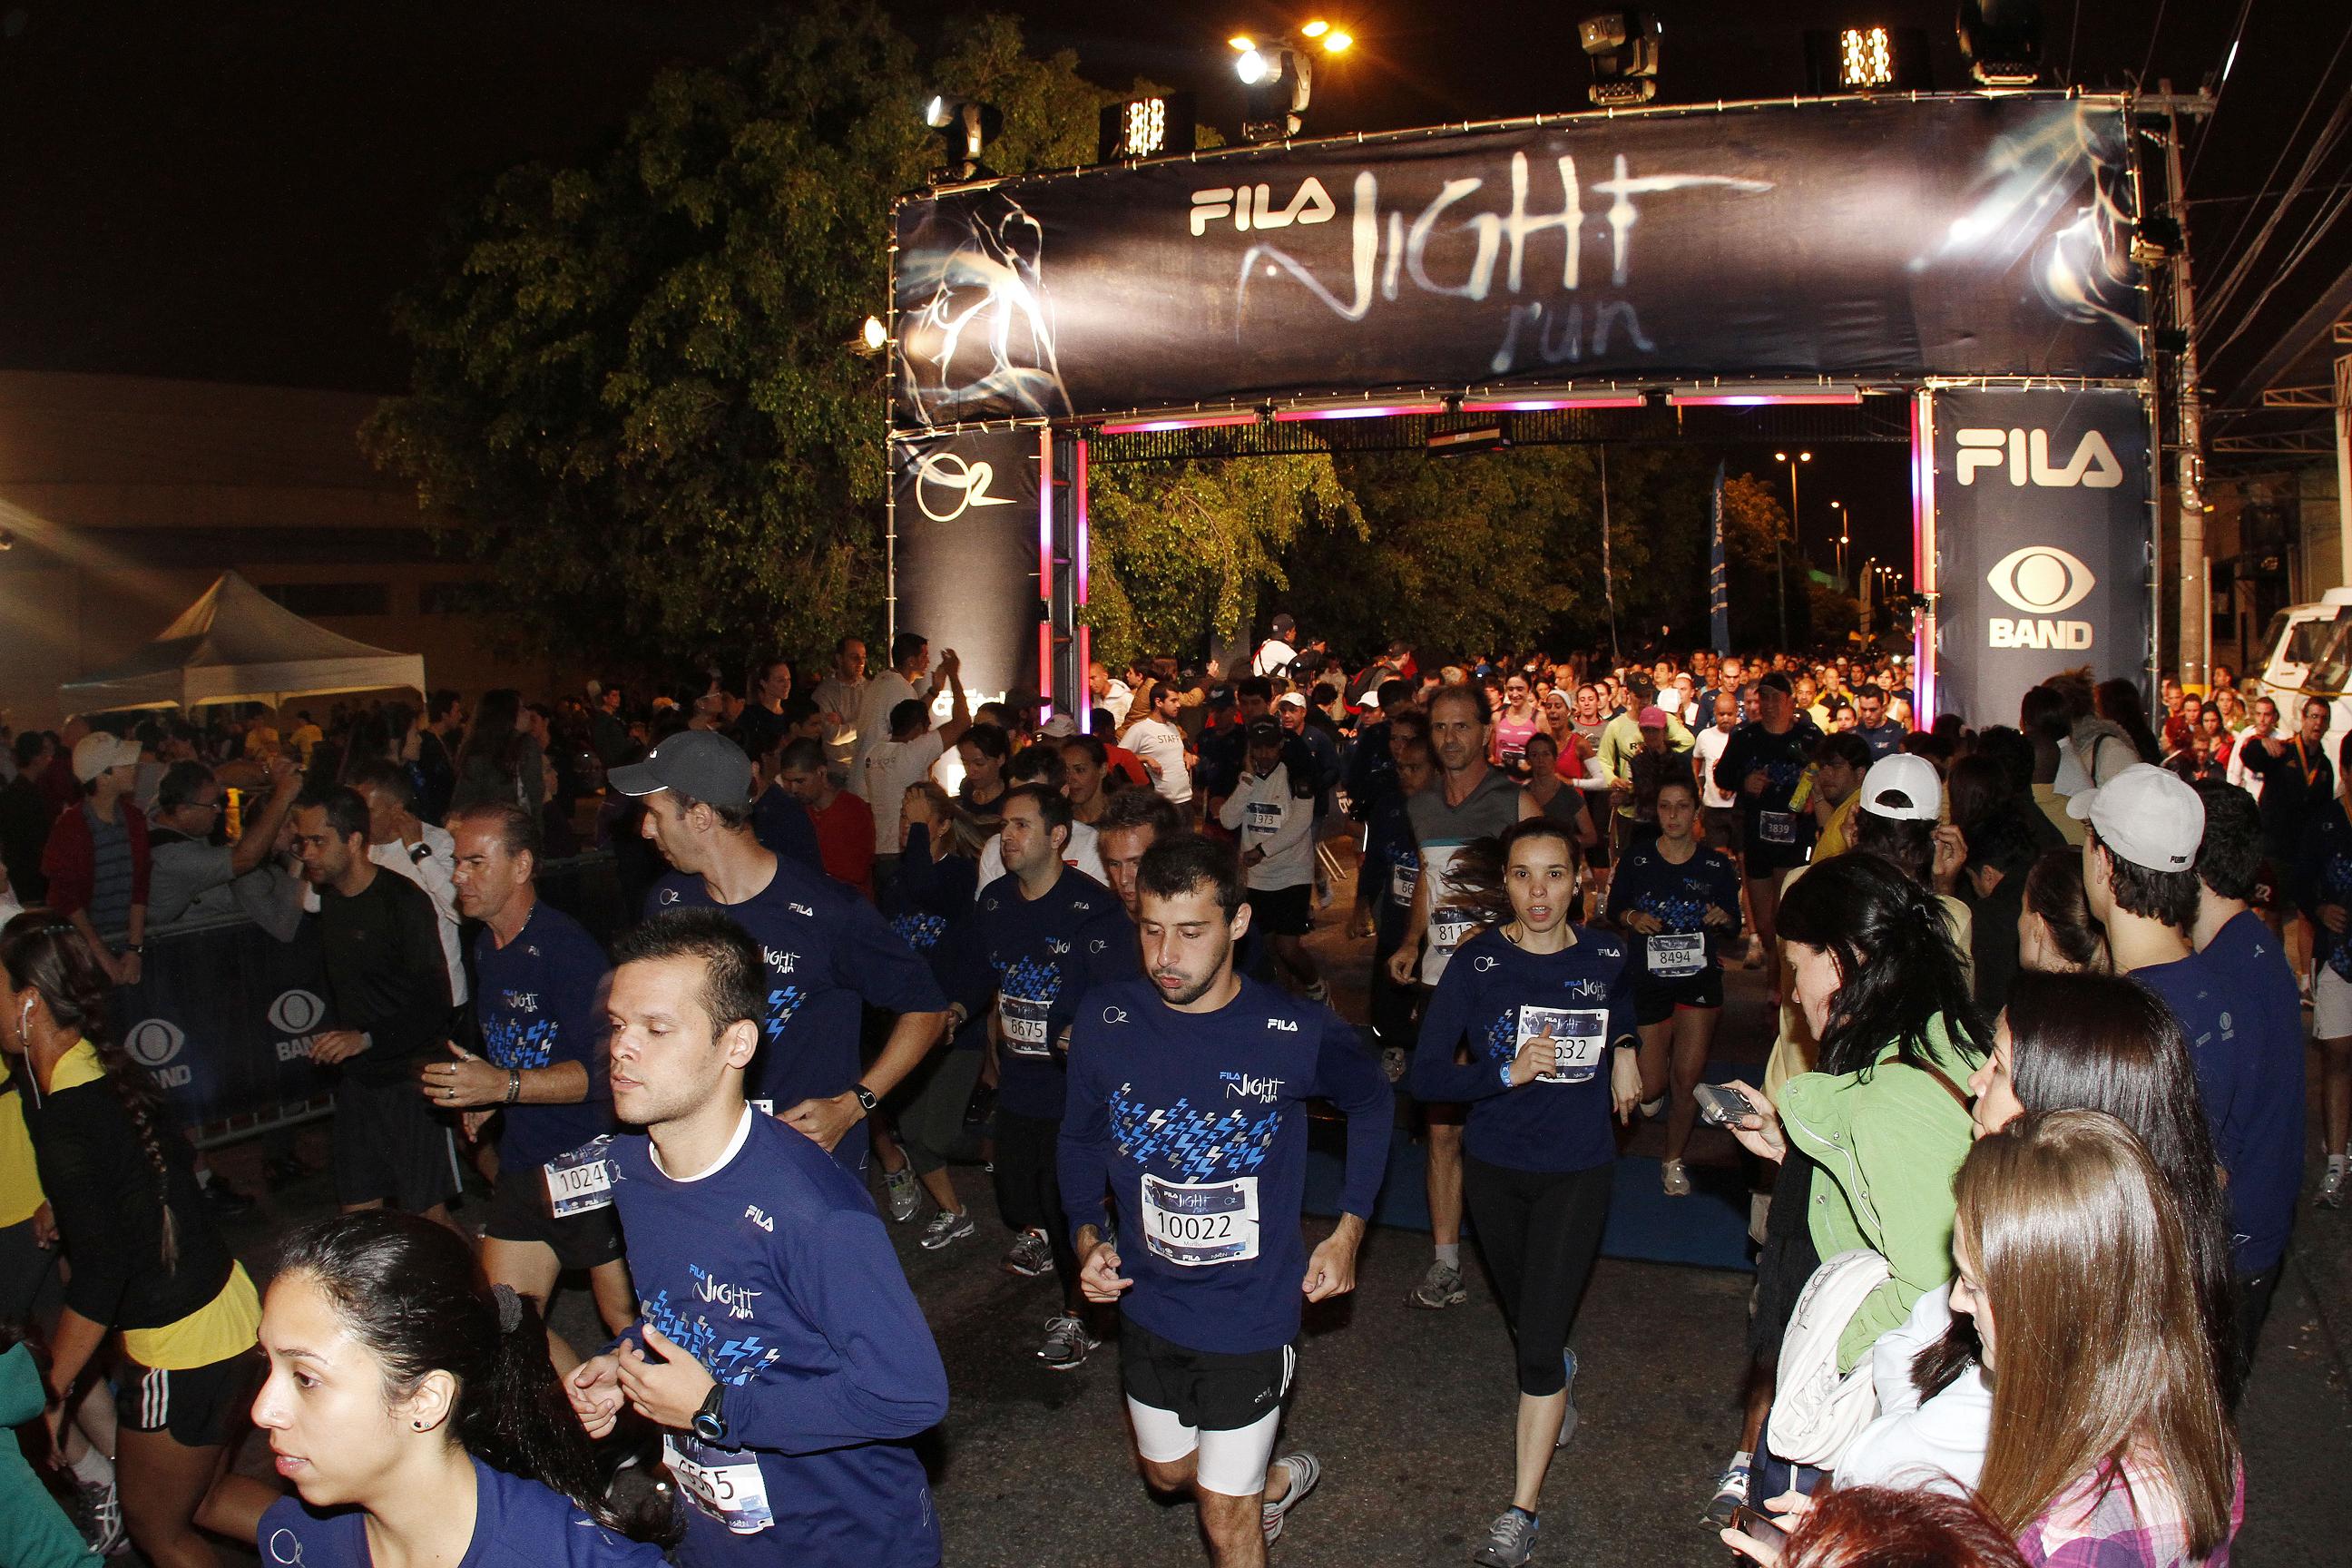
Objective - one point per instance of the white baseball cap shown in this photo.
(97, 752)
(2147, 815)
(1903, 786)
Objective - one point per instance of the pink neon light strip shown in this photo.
(1544, 405)
(1086, 633)
(1759, 399)
(1923, 556)
(1181, 422)
(1352, 411)
(1045, 563)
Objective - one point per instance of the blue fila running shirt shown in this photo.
(826, 950)
(540, 1001)
(774, 1272)
(1677, 898)
(1032, 959)
(518, 1523)
(1195, 1125)
(1496, 997)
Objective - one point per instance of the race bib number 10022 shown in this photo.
(1196, 1224)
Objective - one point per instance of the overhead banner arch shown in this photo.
(1976, 236)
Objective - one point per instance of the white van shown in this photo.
(2307, 651)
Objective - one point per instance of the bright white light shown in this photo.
(2232, 60)
(1314, 29)
(1242, 41)
(1865, 57)
(1252, 68)
(936, 115)
(876, 333)
(1338, 43)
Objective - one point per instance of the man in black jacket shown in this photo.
(388, 1002)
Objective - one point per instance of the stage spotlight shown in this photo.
(1277, 84)
(1146, 128)
(1314, 29)
(2001, 41)
(1251, 66)
(1622, 48)
(967, 128)
(874, 334)
(1865, 59)
(1335, 42)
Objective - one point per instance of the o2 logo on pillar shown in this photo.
(2043, 581)
(2026, 455)
(296, 1015)
(943, 476)
(153, 1043)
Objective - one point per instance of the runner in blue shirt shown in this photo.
(1678, 902)
(826, 950)
(1042, 935)
(1540, 1002)
(538, 996)
(1186, 1107)
(389, 1373)
(778, 1346)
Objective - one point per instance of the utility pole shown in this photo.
(2195, 628)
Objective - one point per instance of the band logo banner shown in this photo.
(2042, 543)
(965, 512)
(1936, 237)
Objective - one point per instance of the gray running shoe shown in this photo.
(1568, 1420)
(1066, 1342)
(904, 1195)
(1440, 1286)
(945, 1227)
(2332, 1188)
(1730, 1495)
(1510, 1541)
(1304, 1473)
(1031, 1256)
(1673, 1178)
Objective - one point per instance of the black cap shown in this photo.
(1777, 682)
(1283, 623)
(1262, 730)
(702, 763)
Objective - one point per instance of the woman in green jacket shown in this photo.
(1883, 1123)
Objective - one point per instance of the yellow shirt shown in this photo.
(1837, 832)
(20, 1177)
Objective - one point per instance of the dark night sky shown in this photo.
(234, 191)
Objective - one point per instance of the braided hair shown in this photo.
(42, 950)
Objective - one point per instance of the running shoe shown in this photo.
(904, 1194)
(1066, 1342)
(1394, 1060)
(1510, 1541)
(947, 1226)
(1730, 1495)
(1440, 1286)
(2331, 1189)
(1673, 1178)
(1568, 1419)
(101, 1517)
(1304, 1473)
(1031, 1256)
(1654, 1108)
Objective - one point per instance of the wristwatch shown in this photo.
(420, 853)
(710, 1420)
(865, 1098)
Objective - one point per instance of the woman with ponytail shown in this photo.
(147, 1262)
(415, 1411)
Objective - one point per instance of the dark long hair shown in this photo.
(496, 735)
(2053, 892)
(1478, 875)
(1897, 965)
(409, 1290)
(41, 948)
(2119, 703)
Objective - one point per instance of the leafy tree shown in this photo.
(632, 381)
(1758, 552)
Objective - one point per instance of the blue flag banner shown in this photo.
(1718, 579)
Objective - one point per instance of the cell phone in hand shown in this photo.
(1758, 1525)
(1720, 1105)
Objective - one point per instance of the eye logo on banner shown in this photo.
(151, 1042)
(2026, 455)
(2043, 581)
(943, 476)
(296, 1012)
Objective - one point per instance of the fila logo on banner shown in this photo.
(2026, 453)
(945, 479)
(1252, 206)
(2041, 580)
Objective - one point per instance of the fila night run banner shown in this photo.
(1935, 237)
(965, 512)
(2041, 532)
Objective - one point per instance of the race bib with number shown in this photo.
(1776, 826)
(724, 1483)
(1022, 1021)
(1449, 929)
(1196, 1224)
(581, 1180)
(1677, 955)
(1577, 1036)
(1263, 818)
(1402, 881)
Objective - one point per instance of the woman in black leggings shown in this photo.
(1538, 1002)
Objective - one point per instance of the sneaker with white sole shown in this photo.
(1066, 1342)
(1440, 1286)
(1673, 1178)
(1731, 1489)
(101, 1517)
(1568, 1419)
(2332, 1187)
(947, 1226)
(1030, 1256)
(1304, 1473)
(1654, 1108)
(905, 1196)
(1510, 1541)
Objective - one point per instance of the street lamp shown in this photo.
(1778, 567)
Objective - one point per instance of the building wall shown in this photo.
(124, 497)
